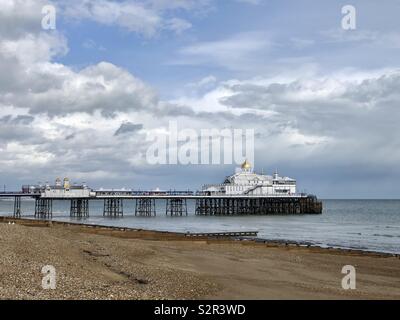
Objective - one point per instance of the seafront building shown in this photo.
(246, 182)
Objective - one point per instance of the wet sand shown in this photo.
(107, 263)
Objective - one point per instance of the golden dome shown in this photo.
(246, 165)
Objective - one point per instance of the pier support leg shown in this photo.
(79, 208)
(43, 208)
(176, 207)
(197, 211)
(17, 207)
(145, 207)
(254, 206)
(113, 208)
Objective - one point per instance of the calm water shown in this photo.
(360, 224)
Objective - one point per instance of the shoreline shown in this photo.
(182, 236)
(100, 262)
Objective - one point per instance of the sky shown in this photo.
(81, 100)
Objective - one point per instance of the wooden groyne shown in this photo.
(131, 233)
(223, 234)
(125, 232)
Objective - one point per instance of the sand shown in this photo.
(97, 263)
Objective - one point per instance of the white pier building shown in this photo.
(247, 182)
(66, 190)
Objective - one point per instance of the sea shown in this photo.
(370, 225)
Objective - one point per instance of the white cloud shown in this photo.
(48, 111)
(91, 44)
(20, 16)
(130, 15)
(371, 38)
(335, 119)
(33, 48)
(237, 52)
(203, 85)
(165, 5)
(177, 25)
(143, 17)
(253, 2)
(92, 123)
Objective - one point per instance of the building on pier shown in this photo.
(246, 182)
(61, 189)
(243, 193)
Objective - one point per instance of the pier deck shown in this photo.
(206, 204)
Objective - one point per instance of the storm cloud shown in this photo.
(333, 132)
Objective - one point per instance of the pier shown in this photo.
(243, 193)
(175, 203)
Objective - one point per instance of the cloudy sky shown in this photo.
(81, 100)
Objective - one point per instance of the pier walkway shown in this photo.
(176, 203)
